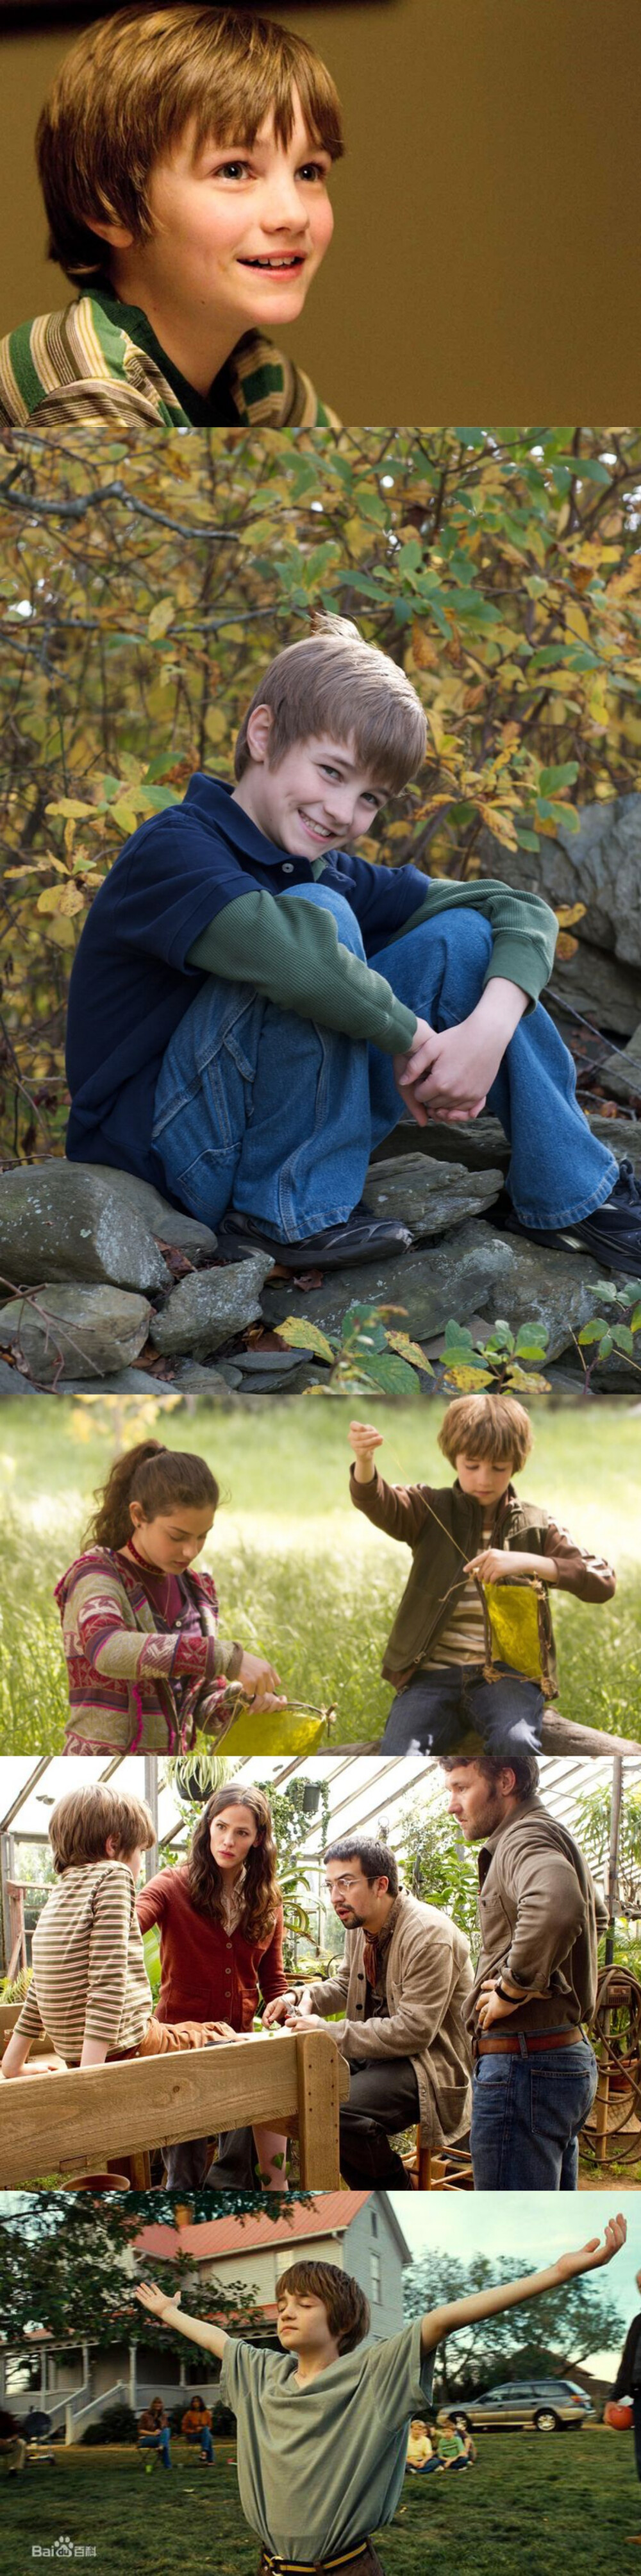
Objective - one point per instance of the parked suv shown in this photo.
(544, 2404)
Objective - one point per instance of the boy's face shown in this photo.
(319, 798)
(479, 1477)
(132, 1859)
(303, 2324)
(238, 231)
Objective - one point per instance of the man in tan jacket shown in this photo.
(540, 1914)
(400, 1990)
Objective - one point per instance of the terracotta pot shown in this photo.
(99, 2182)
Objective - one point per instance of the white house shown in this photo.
(355, 2229)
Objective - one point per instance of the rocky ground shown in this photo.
(103, 1283)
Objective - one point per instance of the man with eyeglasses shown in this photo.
(400, 1993)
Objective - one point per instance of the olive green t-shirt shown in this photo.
(320, 2466)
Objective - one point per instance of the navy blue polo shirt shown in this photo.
(130, 981)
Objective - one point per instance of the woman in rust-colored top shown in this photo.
(220, 1920)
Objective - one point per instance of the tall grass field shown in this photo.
(300, 1574)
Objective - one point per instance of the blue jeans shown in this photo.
(258, 1108)
(526, 2114)
(437, 1709)
(204, 2442)
(157, 2442)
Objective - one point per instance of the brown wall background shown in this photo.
(486, 254)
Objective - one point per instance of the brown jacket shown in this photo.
(428, 1981)
(540, 1917)
(407, 1512)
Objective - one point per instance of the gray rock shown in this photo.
(623, 1135)
(209, 1307)
(13, 1383)
(599, 986)
(552, 1290)
(271, 1364)
(480, 1143)
(428, 1196)
(97, 1331)
(193, 1377)
(184, 1233)
(622, 1071)
(478, 1273)
(454, 1278)
(599, 866)
(58, 1222)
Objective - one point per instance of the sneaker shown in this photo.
(612, 1233)
(362, 1238)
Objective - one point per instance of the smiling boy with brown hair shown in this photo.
(253, 1006)
(183, 155)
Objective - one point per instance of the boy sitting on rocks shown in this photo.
(183, 155)
(462, 1536)
(252, 1007)
(323, 2429)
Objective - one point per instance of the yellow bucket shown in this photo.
(513, 1611)
(280, 1731)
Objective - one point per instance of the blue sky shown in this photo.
(532, 2227)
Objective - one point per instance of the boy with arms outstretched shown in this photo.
(252, 1007)
(477, 1531)
(322, 2432)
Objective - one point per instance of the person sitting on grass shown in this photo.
(183, 156)
(421, 2454)
(146, 1664)
(252, 1006)
(13, 2448)
(90, 1991)
(323, 2428)
(153, 2431)
(196, 2427)
(450, 2446)
(462, 1536)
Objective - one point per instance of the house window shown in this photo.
(375, 2278)
(374, 2221)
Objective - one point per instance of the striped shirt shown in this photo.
(99, 361)
(89, 1975)
(462, 1640)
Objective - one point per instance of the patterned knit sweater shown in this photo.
(136, 1685)
(90, 365)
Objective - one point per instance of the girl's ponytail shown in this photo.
(158, 1478)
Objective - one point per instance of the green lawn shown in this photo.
(571, 2501)
(299, 1573)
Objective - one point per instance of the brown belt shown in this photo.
(513, 2046)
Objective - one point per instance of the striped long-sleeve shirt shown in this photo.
(99, 362)
(89, 1975)
(134, 1683)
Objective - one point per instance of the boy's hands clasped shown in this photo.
(447, 1073)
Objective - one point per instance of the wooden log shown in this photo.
(76, 2121)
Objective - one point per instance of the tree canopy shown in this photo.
(64, 2268)
(540, 2340)
(144, 585)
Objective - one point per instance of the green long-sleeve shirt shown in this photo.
(290, 950)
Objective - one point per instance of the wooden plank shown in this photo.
(323, 2081)
(74, 2122)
